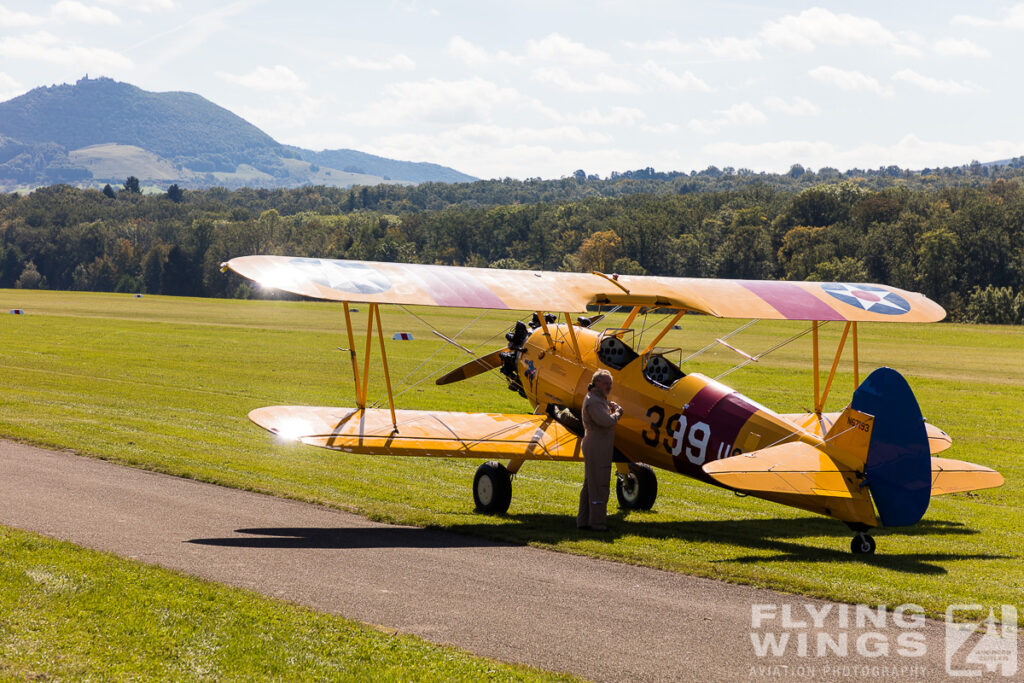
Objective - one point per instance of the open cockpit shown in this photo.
(614, 352)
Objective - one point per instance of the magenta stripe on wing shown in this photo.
(455, 288)
(792, 300)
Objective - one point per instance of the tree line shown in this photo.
(961, 243)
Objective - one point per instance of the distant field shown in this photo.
(165, 384)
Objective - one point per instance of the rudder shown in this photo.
(898, 467)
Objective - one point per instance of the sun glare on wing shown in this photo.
(292, 429)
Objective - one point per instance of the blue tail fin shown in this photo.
(898, 469)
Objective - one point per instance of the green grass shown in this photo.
(73, 614)
(165, 384)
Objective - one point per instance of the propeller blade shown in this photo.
(473, 368)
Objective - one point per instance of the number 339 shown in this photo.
(698, 435)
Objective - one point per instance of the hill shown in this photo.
(100, 130)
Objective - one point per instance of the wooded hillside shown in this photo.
(960, 241)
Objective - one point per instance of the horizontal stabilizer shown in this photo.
(953, 476)
(432, 433)
(798, 474)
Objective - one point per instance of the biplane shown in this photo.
(873, 464)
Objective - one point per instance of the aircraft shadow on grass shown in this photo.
(769, 540)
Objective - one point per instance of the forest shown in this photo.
(955, 234)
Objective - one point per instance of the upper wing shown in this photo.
(423, 432)
(524, 290)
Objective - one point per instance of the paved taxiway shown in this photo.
(598, 619)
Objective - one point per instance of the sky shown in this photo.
(541, 89)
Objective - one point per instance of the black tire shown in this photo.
(862, 544)
(492, 488)
(638, 489)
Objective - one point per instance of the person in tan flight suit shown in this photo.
(599, 418)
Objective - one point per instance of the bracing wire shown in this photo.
(770, 350)
(712, 344)
(432, 355)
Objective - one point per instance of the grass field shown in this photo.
(165, 384)
(73, 614)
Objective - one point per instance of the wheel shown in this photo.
(492, 488)
(862, 544)
(638, 489)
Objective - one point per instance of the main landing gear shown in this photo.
(492, 488)
(862, 544)
(637, 489)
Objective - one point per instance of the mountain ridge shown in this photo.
(44, 135)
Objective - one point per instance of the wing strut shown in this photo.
(821, 397)
(572, 336)
(544, 326)
(362, 387)
(664, 331)
(384, 359)
(360, 398)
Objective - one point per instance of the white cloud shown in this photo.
(618, 116)
(276, 78)
(467, 52)
(818, 26)
(730, 47)
(908, 152)
(742, 114)
(686, 81)
(933, 84)
(8, 83)
(959, 47)
(436, 101)
(17, 19)
(738, 49)
(798, 106)
(193, 33)
(285, 113)
(76, 11)
(505, 156)
(9, 87)
(142, 5)
(671, 45)
(1012, 19)
(599, 83)
(491, 134)
(399, 62)
(45, 47)
(552, 49)
(558, 49)
(661, 129)
(848, 80)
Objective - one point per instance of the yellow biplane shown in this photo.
(871, 465)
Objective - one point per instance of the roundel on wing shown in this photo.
(871, 298)
(344, 276)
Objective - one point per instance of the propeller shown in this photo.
(473, 368)
(502, 358)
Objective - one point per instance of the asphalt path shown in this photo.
(598, 619)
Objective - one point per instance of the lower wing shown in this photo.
(430, 433)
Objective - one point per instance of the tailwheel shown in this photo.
(638, 489)
(862, 544)
(492, 488)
